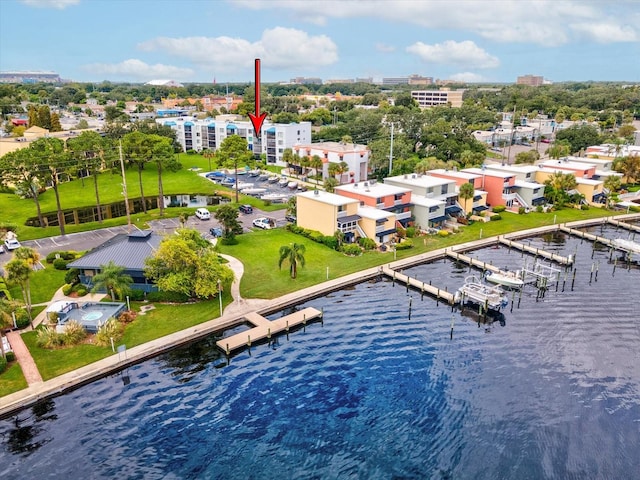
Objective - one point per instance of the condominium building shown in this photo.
(354, 155)
(209, 133)
(389, 198)
(432, 98)
(531, 80)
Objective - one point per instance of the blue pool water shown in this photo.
(378, 390)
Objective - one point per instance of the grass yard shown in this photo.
(12, 380)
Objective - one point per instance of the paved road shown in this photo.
(88, 240)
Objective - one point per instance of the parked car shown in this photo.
(290, 218)
(246, 209)
(264, 223)
(11, 244)
(203, 214)
(1, 249)
(215, 232)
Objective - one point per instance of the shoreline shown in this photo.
(234, 315)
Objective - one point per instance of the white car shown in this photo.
(203, 214)
(11, 244)
(263, 222)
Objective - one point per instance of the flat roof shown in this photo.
(375, 190)
(455, 173)
(326, 197)
(513, 168)
(567, 164)
(490, 173)
(592, 161)
(588, 181)
(418, 180)
(427, 202)
(374, 213)
(522, 183)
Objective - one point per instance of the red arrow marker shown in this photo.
(258, 118)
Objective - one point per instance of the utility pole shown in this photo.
(391, 152)
(124, 188)
(513, 130)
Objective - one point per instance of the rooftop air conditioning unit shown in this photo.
(316, 192)
(366, 184)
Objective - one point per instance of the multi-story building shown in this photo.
(591, 189)
(420, 80)
(434, 199)
(499, 185)
(208, 134)
(395, 81)
(355, 156)
(529, 192)
(389, 198)
(479, 202)
(531, 80)
(432, 98)
(578, 169)
(328, 213)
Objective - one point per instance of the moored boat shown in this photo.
(475, 291)
(505, 278)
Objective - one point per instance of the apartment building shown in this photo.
(479, 202)
(208, 134)
(578, 169)
(591, 189)
(531, 80)
(354, 155)
(433, 98)
(499, 185)
(529, 192)
(389, 198)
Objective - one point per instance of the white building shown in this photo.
(355, 156)
(209, 133)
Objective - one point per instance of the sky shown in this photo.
(204, 41)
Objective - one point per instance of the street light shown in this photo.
(220, 295)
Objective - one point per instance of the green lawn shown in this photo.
(15, 210)
(12, 380)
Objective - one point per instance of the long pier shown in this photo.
(538, 252)
(264, 328)
(422, 286)
(472, 261)
(588, 236)
(625, 225)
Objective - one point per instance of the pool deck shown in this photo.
(234, 315)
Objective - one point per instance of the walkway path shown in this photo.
(28, 366)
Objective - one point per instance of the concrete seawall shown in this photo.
(233, 317)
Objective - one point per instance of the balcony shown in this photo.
(509, 196)
(403, 215)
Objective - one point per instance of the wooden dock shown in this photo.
(460, 257)
(264, 328)
(537, 251)
(423, 287)
(588, 236)
(625, 225)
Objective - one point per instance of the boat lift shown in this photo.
(539, 273)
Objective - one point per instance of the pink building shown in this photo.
(500, 186)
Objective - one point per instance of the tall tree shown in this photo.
(294, 254)
(163, 156)
(113, 280)
(19, 272)
(53, 159)
(137, 151)
(227, 215)
(20, 169)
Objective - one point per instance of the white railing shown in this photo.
(403, 215)
(509, 196)
(521, 201)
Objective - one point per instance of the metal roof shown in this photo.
(348, 219)
(125, 250)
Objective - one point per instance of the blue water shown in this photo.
(378, 390)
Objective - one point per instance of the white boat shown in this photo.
(273, 179)
(264, 177)
(244, 185)
(475, 291)
(292, 185)
(626, 245)
(505, 278)
(275, 197)
(254, 173)
(255, 191)
(283, 182)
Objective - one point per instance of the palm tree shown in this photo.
(208, 154)
(330, 184)
(163, 155)
(51, 151)
(19, 271)
(466, 192)
(112, 279)
(294, 254)
(316, 163)
(612, 183)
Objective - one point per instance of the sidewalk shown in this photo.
(28, 366)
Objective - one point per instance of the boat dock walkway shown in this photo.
(460, 257)
(537, 252)
(422, 286)
(625, 225)
(588, 236)
(264, 328)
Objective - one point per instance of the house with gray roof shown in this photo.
(125, 250)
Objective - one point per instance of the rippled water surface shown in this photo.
(378, 390)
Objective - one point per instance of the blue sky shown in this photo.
(203, 40)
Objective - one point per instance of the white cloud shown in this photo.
(139, 69)
(606, 33)
(58, 4)
(467, 77)
(465, 53)
(542, 22)
(279, 48)
(384, 48)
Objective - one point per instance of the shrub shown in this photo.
(72, 276)
(110, 329)
(136, 295)
(499, 208)
(22, 319)
(496, 217)
(443, 233)
(522, 210)
(539, 209)
(11, 357)
(411, 232)
(584, 207)
(60, 264)
(401, 232)
(404, 245)
(65, 255)
(3, 364)
(127, 317)
(80, 290)
(74, 333)
(267, 203)
(367, 243)
(49, 338)
(330, 241)
(66, 288)
(316, 236)
(351, 250)
(172, 297)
